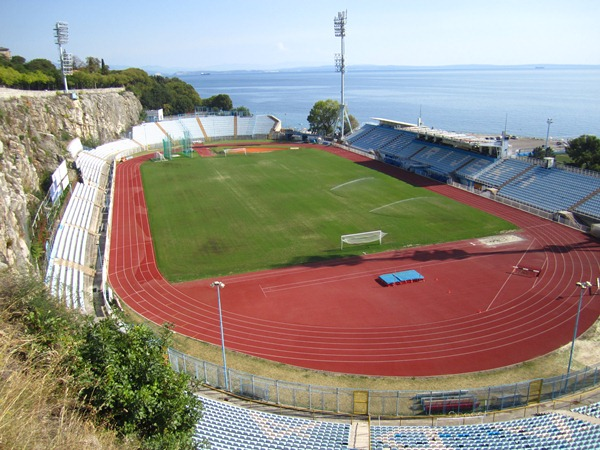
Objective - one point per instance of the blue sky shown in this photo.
(258, 34)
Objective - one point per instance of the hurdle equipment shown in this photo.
(526, 271)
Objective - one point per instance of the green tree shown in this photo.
(584, 151)
(92, 64)
(219, 102)
(9, 76)
(324, 115)
(542, 152)
(183, 98)
(104, 69)
(128, 381)
(242, 111)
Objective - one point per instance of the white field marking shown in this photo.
(509, 276)
(395, 203)
(350, 182)
(500, 239)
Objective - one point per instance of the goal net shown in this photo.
(235, 151)
(361, 238)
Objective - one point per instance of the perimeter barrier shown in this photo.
(386, 403)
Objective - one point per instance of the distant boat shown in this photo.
(204, 73)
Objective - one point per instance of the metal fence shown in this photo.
(385, 403)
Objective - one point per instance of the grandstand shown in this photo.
(482, 165)
(73, 252)
(206, 128)
(228, 426)
(546, 431)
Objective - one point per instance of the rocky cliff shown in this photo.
(35, 129)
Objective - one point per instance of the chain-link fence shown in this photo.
(385, 403)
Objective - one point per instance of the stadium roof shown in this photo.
(454, 139)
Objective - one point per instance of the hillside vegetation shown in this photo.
(67, 381)
(171, 94)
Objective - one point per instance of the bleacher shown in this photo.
(402, 148)
(444, 159)
(148, 134)
(173, 128)
(502, 171)
(375, 138)
(474, 167)
(550, 189)
(262, 125)
(74, 246)
(589, 207)
(549, 431)
(202, 128)
(362, 132)
(592, 410)
(230, 427)
(66, 272)
(226, 426)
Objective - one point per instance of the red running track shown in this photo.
(470, 314)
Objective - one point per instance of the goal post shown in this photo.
(361, 238)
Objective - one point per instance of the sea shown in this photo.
(482, 100)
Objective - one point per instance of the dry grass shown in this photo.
(587, 352)
(38, 410)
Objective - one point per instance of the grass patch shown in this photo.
(224, 215)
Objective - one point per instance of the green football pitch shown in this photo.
(234, 214)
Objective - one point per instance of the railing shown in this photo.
(386, 403)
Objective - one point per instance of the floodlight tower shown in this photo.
(61, 33)
(339, 26)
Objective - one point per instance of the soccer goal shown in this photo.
(362, 238)
(235, 151)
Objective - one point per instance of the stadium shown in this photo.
(472, 304)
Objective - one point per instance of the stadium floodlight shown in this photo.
(67, 63)
(61, 34)
(339, 26)
(583, 285)
(219, 285)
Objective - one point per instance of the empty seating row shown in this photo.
(94, 170)
(552, 190)
(65, 274)
(590, 207)
(204, 127)
(377, 137)
(395, 145)
(360, 133)
(548, 431)
(501, 172)
(445, 160)
(474, 167)
(592, 410)
(566, 188)
(226, 426)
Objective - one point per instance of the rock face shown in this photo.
(35, 129)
